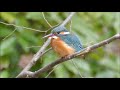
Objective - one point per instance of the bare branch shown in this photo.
(21, 27)
(10, 34)
(46, 20)
(67, 19)
(83, 52)
(76, 66)
(52, 71)
(47, 50)
(35, 58)
(34, 47)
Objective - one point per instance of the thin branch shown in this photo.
(34, 47)
(67, 19)
(46, 20)
(52, 71)
(10, 34)
(77, 68)
(35, 58)
(47, 50)
(70, 25)
(80, 53)
(21, 27)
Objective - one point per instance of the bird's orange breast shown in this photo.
(61, 47)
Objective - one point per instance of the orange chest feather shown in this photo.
(61, 47)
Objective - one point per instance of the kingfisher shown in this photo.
(63, 42)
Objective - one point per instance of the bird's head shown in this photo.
(57, 32)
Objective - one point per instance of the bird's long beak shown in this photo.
(49, 35)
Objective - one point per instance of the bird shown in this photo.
(63, 42)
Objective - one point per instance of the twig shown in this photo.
(46, 20)
(34, 46)
(76, 66)
(10, 34)
(67, 19)
(80, 53)
(52, 71)
(21, 27)
(47, 50)
(70, 25)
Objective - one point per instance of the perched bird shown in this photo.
(63, 42)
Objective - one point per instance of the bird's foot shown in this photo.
(66, 57)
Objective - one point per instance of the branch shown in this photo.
(24, 72)
(83, 52)
(35, 58)
(46, 20)
(67, 19)
(21, 27)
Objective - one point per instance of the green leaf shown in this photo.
(21, 21)
(7, 17)
(7, 46)
(106, 74)
(61, 72)
(34, 15)
(5, 31)
(112, 64)
(4, 74)
(117, 22)
(4, 62)
(23, 43)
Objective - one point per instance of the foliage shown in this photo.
(91, 27)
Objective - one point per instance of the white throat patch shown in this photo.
(55, 37)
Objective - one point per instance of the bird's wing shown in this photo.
(73, 41)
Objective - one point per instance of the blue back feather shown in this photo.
(72, 40)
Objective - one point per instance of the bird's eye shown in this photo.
(58, 32)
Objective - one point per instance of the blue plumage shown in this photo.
(70, 39)
(73, 41)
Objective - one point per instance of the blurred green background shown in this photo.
(91, 27)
